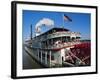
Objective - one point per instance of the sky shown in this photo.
(80, 22)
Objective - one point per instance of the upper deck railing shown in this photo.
(61, 34)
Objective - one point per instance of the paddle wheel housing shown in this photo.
(79, 55)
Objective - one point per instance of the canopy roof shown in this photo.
(55, 29)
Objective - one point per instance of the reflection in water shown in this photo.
(29, 62)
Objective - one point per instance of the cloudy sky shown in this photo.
(80, 22)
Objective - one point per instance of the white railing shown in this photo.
(62, 45)
(60, 34)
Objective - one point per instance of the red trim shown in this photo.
(82, 45)
(56, 49)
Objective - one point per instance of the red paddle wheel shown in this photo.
(79, 55)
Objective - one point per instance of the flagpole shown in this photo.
(63, 20)
(31, 31)
(62, 26)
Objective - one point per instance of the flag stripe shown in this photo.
(67, 18)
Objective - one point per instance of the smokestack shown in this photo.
(31, 32)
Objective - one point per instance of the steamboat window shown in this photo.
(43, 54)
(68, 38)
(48, 56)
(39, 54)
(52, 57)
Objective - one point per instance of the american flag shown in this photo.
(67, 18)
